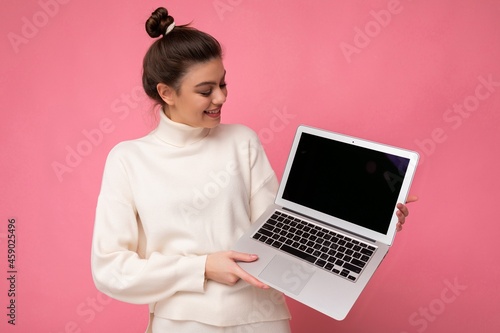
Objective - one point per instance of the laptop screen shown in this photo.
(352, 183)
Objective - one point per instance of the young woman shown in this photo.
(173, 202)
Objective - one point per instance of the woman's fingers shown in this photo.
(241, 273)
(223, 268)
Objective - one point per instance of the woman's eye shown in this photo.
(209, 92)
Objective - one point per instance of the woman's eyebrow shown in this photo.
(205, 83)
(211, 83)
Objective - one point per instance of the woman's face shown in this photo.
(202, 93)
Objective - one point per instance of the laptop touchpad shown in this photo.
(289, 275)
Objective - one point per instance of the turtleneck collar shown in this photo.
(177, 134)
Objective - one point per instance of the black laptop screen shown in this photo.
(349, 182)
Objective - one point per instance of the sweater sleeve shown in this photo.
(264, 183)
(119, 266)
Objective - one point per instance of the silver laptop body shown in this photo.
(333, 220)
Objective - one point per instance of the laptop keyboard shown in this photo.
(329, 250)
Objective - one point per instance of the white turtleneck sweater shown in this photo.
(169, 199)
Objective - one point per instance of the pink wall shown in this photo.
(419, 74)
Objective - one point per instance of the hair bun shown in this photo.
(158, 22)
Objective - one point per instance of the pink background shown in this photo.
(424, 75)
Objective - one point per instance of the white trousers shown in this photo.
(162, 325)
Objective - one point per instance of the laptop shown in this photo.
(333, 219)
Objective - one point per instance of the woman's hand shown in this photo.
(403, 212)
(222, 267)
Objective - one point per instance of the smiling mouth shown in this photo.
(213, 113)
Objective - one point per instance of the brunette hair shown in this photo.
(169, 58)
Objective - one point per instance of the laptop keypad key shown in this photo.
(333, 252)
(358, 263)
(277, 244)
(268, 227)
(298, 253)
(352, 267)
(366, 252)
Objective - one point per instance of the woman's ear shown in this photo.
(166, 93)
